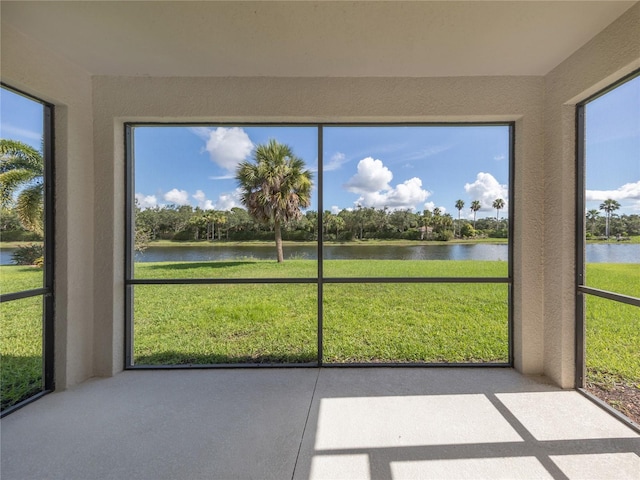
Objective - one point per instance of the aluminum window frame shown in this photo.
(130, 281)
(581, 289)
(48, 289)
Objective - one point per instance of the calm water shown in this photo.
(596, 253)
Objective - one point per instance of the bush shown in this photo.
(444, 236)
(28, 254)
(467, 230)
(19, 236)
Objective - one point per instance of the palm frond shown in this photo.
(30, 208)
(16, 155)
(11, 181)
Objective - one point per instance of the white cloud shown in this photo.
(227, 201)
(499, 158)
(372, 176)
(432, 206)
(335, 209)
(202, 200)
(486, 189)
(628, 191)
(177, 197)
(9, 131)
(146, 201)
(227, 147)
(372, 183)
(335, 162)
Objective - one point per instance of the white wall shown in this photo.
(30, 67)
(611, 55)
(120, 99)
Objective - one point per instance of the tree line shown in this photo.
(173, 222)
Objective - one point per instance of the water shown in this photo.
(596, 253)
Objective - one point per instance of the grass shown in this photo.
(612, 328)
(267, 323)
(20, 349)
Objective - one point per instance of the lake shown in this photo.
(596, 253)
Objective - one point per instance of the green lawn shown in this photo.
(613, 328)
(20, 347)
(267, 323)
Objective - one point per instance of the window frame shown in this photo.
(47, 291)
(581, 289)
(320, 280)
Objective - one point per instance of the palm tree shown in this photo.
(592, 217)
(498, 204)
(609, 206)
(475, 206)
(22, 172)
(459, 206)
(275, 187)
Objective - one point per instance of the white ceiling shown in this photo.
(317, 39)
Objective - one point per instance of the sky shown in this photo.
(414, 168)
(397, 167)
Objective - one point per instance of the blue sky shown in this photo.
(395, 167)
(613, 148)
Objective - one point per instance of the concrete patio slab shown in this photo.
(179, 424)
(333, 423)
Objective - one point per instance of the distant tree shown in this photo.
(609, 206)
(275, 187)
(475, 206)
(498, 204)
(592, 217)
(333, 223)
(459, 206)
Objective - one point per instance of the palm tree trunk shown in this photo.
(278, 241)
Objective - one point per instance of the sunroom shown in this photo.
(488, 379)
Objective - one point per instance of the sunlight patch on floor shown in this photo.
(622, 466)
(562, 416)
(345, 467)
(524, 468)
(379, 422)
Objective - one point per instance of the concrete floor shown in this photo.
(320, 424)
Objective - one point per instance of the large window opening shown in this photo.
(319, 244)
(26, 249)
(608, 261)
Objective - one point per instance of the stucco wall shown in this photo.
(120, 99)
(611, 55)
(30, 67)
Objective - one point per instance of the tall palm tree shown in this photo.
(475, 206)
(22, 172)
(459, 206)
(498, 204)
(609, 206)
(275, 187)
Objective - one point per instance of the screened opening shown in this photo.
(319, 244)
(608, 263)
(26, 249)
